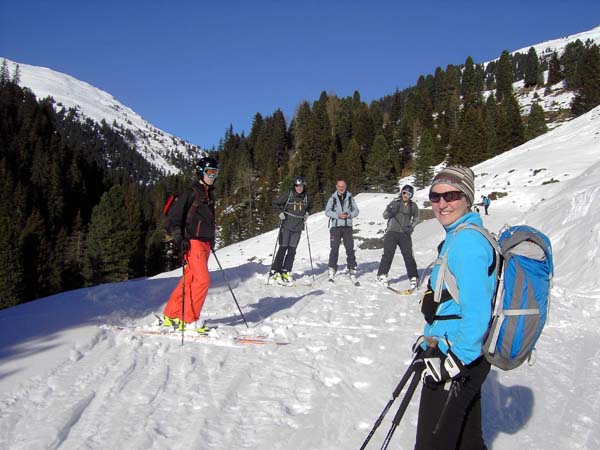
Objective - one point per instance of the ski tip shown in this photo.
(402, 291)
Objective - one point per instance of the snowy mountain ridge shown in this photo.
(546, 48)
(90, 102)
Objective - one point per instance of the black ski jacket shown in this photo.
(193, 214)
(295, 206)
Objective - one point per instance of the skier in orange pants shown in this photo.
(197, 282)
(191, 223)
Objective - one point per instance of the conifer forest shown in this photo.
(79, 206)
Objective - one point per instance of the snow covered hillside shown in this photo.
(558, 45)
(556, 98)
(69, 382)
(68, 92)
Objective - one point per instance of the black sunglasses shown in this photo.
(450, 196)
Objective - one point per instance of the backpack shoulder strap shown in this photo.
(196, 203)
(446, 276)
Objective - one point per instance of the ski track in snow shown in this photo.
(231, 395)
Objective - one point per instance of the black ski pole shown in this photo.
(230, 290)
(454, 390)
(412, 387)
(395, 394)
(274, 250)
(312, 270)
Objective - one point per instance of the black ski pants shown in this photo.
(460, 427)
(288, 241)
(336, 236)
(391, 240)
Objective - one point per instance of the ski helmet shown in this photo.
(207, 163)
(299, 181)
(408, 189)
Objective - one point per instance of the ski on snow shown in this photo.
(210, 336)
(402, 291)
(354, 282)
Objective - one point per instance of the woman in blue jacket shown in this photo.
(454, 366)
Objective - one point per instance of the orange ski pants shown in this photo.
(196, 279)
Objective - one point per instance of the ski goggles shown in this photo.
(450, 196)
(407, 193)
(211, 172)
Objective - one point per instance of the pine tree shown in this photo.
(555, 74)
(11, 266)
(363, 130)
(379, 166)
(571, 63)
(490, 122)
(511, 132)
(533, 72)
(440, 93)
(536, 122)
(468, 84)
(355, 175)
(470, 146)
(108, 249)
(588, 94)
(4, 75)
(504, 76)
(16, 78)
(302, 139)
(424, 160)
(343, 123)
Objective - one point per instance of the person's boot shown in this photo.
(287, 278)
(170, 322)
(332, 272)
(413, 283)
(353, 277)
(383, 280)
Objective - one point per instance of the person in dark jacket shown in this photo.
(402, 214)
(193, 231)
(341, 209)
(293, 209)
(455, 368)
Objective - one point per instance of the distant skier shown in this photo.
(293, 208)
(486, 203)
(193, 230)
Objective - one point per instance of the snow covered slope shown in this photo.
(68, 92)
(68, 383)
(558, 45)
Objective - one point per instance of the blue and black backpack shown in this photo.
(524, 269)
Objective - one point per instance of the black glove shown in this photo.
(391, 209)
(185, 246)
(440, 368)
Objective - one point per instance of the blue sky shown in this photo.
(192, 68)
